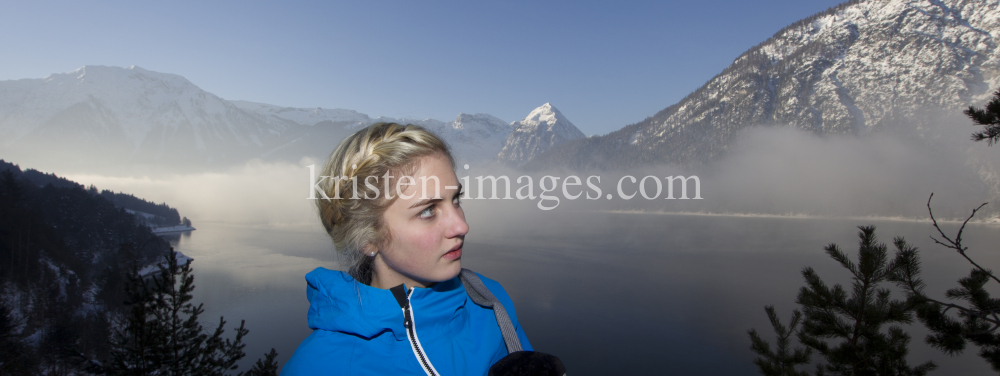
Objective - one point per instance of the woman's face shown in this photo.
(427, 227)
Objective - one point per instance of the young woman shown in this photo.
(393, 210)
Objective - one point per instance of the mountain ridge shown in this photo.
(856, 68)
(100, 115)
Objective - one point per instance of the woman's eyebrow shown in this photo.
(433, 200)
(425, 202)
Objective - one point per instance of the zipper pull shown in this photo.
(403, 298)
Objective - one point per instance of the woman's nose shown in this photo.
(457, 225)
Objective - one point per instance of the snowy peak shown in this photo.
(542, 129)
(547, 119)
(861, 67)
(544, 113)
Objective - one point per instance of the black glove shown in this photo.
(528, 363)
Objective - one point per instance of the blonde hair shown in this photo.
(352, 212)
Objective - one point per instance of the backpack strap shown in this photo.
(482, 296)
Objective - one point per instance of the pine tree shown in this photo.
(266, 367)
(856, 322)
(988, 117)
(848, 331)
(976, 322)
(829, 312)
(783, 361)
(15, 356)
(161, 334)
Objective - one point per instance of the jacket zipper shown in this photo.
(411, 334)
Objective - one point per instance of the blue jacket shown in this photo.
(358, 329)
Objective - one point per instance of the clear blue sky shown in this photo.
(603, 64)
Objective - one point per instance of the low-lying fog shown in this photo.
(769, 171)
(692, 280)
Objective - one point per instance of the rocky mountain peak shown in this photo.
(542, 129)
(862, 67)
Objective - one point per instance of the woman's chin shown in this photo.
(453, 270)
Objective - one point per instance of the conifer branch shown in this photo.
(989, 117)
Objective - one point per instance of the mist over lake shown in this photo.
(611, 286)
(609, 293)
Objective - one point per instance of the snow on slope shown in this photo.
(473, 138)
(852, 71)
(133, 102)
(542, 129)
(304, 116)
(99, 115)
(858, 68)
(476, 138)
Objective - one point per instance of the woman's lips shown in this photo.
(454, 254)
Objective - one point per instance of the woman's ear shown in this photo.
(370, 250)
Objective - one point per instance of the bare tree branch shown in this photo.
(957, 243)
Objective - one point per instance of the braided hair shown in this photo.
(370, 159)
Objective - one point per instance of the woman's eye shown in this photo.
(458, 199)
(426, 213)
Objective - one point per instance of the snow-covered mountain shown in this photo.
(858, 68)
(542, 129)
(303, 116)
(131, 103)
(473, 139)
(101, 116)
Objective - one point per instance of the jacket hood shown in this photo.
(338, 302)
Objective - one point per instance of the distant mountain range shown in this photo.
(861, 67)
(100, 116)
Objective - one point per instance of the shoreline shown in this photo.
(171, 229)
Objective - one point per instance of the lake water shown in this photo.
(609, 293)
